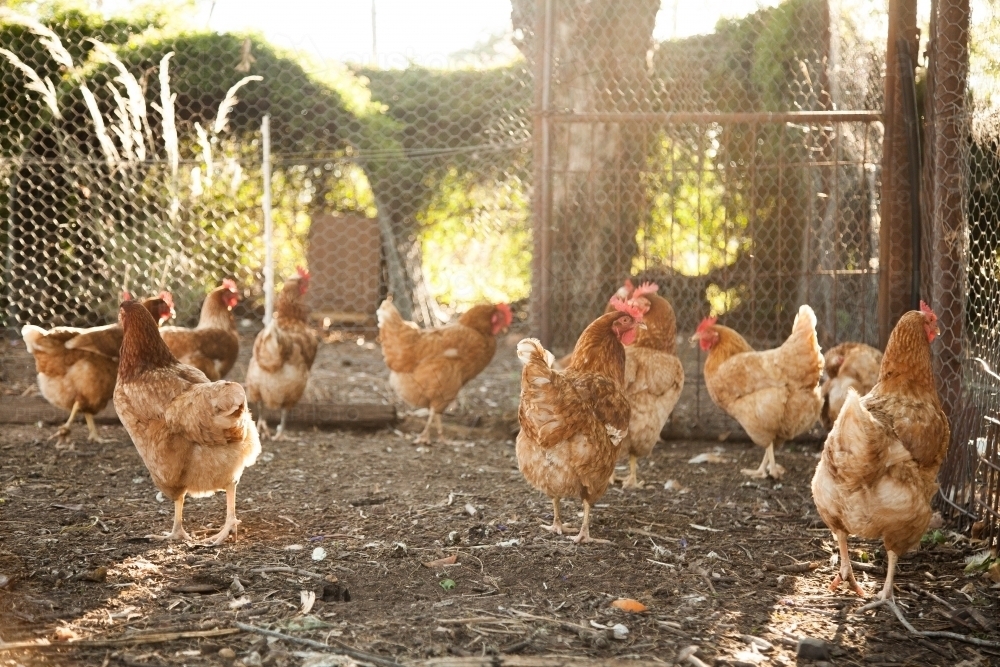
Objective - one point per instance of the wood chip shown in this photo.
(441, 562)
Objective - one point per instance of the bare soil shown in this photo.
(698, 545)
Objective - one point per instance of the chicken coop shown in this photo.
(808, 151)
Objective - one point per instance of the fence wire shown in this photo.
(742, 170)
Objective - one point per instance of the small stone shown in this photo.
(810, 648)
(227, 653)
(619, 631)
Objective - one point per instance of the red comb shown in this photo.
(706, 323)
(627, 307)
(167, 298)
(926, 310)
(126, 295)
(229, 284)
(645, 288)
(302, 271)
(508, 316)
(629, 286)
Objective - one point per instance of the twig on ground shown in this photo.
(918, 589)
(155, 638)
(793, 568)
(295, 570)
(688, 654)
(928, 633)
(340, 648)
(867, 567)
(639, 531)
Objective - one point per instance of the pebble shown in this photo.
(227, 653)
(810, 648)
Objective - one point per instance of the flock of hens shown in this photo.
(608, 399)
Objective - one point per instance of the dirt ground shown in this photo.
(360, 517)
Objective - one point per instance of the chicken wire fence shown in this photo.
(743, 170)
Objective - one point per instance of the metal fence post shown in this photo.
(541, 201)
(895, 260)
(265, 131)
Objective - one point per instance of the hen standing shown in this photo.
(876, 476)
(212, 346)
(283, 354)
(654, 377)
(428, 367)
(77, 367)
(195, 436)
(573, 421)
(773, 394)
(848, 365)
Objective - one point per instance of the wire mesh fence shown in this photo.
(747, 171)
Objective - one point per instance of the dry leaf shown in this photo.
(707, 457)
(629, 605)
(308, 599)
(450, 560)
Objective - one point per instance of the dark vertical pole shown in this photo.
(542, 175)
(895, 252)
(948, 288)
(908, 85)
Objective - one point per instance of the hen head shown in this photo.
(231, 296)
(303, 277)
(706, 333)
(501, 318)
(930, 322)
(625, 325)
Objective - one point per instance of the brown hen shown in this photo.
(878, 470)
(573, 421)
(213, 345)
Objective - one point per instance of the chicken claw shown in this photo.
(557, 524)
(231, 521)
(632, 481)
(177, 532)
(838, 580)
(583, 537)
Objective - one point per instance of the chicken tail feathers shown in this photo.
(387, 314)
(805, 320)
(32, 335)
(531, 350)
(857, 447)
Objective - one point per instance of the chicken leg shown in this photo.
(768, 467)
(279, 434)
(846, 572)
(231, 521)
(425, 436)
(61, 436)
(556, 526)
(92, 435)
(632, 481)
(583, 536)
(178, 532)
(262, 423)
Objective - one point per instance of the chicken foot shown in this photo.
(425, 436)
(178, 532)
(231, 521)
(632, 481)
(61, 436)
(846, 572)
(768, 467)
(885, 596)
(583, 536)
(92, 435)
(262, 424)
(279, 433)
(557, 526)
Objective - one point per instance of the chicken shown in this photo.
(213, 345)
(654, 376)
(773, 394)
(623, 292)
(876, 476)
(194, 435)
(428, 367)
(574, 421)
(77, 367)
(283, 354)
(847, 365)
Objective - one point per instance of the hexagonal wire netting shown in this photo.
(741, 169)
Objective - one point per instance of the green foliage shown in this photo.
(476, 240)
